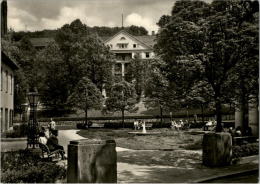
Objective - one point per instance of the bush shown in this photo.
(18, 131)
(245, 150)
(22, 167)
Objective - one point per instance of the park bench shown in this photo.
(97, 125)
(148, 125)
(244, 139)
(50, 154)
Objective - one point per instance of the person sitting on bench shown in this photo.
(42, 138)
(53, 144)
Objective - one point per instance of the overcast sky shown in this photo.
(34, 15)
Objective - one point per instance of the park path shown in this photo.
(126, 172)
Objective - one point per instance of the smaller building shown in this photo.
(7, 92)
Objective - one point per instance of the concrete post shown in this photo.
(253, 117)
(92, 161)
(217, 149)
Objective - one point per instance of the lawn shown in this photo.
(170, 148)
(167, 140)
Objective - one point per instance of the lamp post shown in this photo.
(32, 135)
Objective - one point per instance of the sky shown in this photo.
(32, 15)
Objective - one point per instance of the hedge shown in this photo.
(245, 150)
(24, 167)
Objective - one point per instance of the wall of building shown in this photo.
(7, 97)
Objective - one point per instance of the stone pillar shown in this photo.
(123, 69)
(217, 149)
(253, 117)
(238, 117)
(92, 161)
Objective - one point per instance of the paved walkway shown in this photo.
(134, 173)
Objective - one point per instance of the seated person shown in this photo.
(42, 138)
(53, 144)
(238, 132)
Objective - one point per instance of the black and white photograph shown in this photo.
(129, 91)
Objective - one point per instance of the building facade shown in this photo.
(7, 92)
(125, 47)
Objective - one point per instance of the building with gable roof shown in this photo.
(125, 46)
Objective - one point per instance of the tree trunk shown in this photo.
(161, 112)
(202, 112)
(219, 115)
(123, 118)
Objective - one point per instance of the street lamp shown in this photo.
(32, 135)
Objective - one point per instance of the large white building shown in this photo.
(125, 46)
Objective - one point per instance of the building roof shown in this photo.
(41, 42)
(148, 40)
(5, 59)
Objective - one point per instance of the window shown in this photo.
(147, 54)
(11, 84)
(6, 118)
(6, 81)
(122, 45)
(134, 45)
(122, 38)
(2, 80)
(2, 119)
(10, 118)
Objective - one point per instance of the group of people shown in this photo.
(138, 124)
(49, 137)
(177, 125)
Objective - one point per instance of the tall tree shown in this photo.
(121, 97)
(86, 96)
(205, 42)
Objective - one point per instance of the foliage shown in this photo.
(204, 43)
(75, 55)
(18, 131)
(121, 97)
(245, 150)
(22, 167)
(100, 31)
(86, 96)
(139, 72)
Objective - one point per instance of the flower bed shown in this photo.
(22, 167)
(245, 150)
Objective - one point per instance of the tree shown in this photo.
(54, 88)
(205, 42)
(86, 96)
(121, 97)
(139, 72)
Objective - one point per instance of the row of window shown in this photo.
(122, 46)
(6, 81)
(6, 118)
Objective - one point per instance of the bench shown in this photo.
(49, 153)
(148, 125)
(97, 125)
(244, 139)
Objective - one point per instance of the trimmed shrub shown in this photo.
(245, 150)
(19, 130)
(23, 167)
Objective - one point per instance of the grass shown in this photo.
(167, 140)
